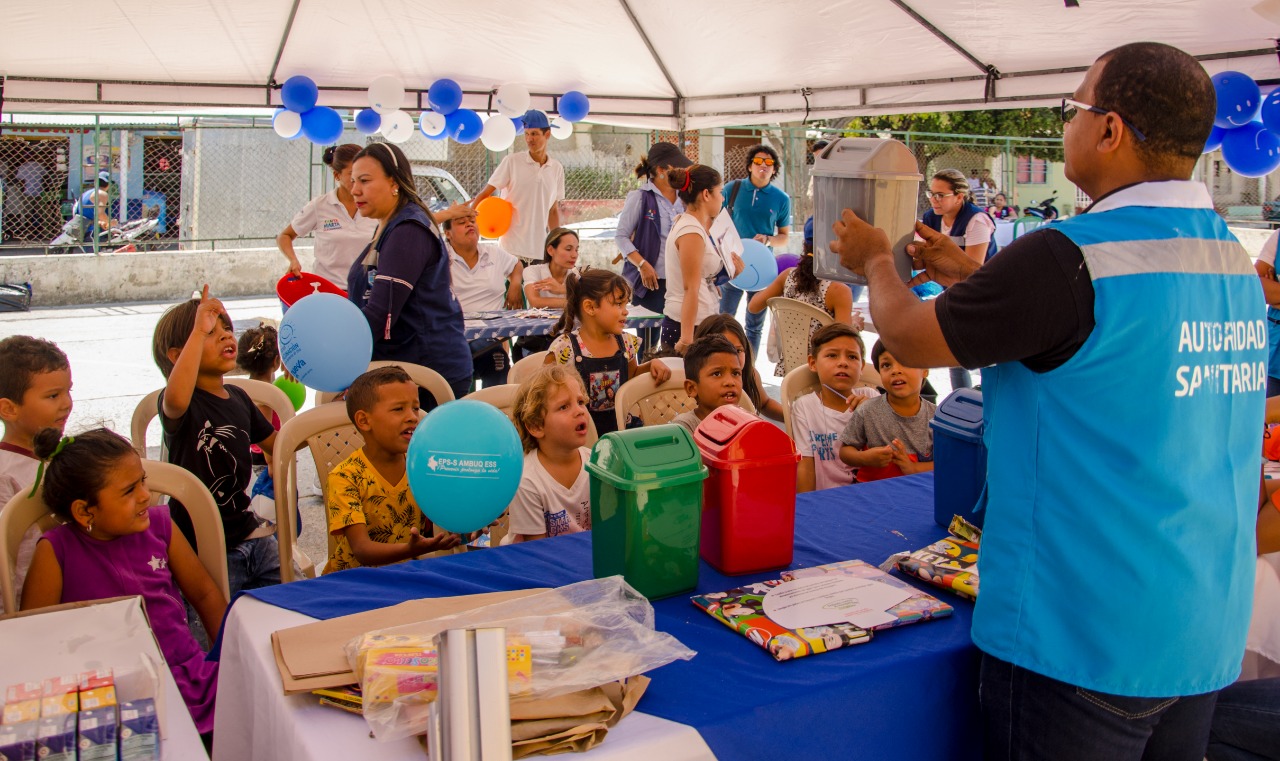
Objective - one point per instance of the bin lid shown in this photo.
(867, 158)
(731, 437)
(291, 288)
(960, 414)
(653, 456)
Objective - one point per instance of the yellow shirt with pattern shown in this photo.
(359, 494)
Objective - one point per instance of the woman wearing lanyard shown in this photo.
(341, 231)
(643, 226)
(692, 260)
(401, 281)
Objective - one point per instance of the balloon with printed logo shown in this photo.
(445, 96)
(1270, 112)
(498, 133)
(574, 106)
(493, 217)
(299, 93)
(1238, 99)
(386, 94)
(287, 124)
(397, 127)
(368, 121)
(1251, 150)
(433, 125)
(322, 125)
(464, 126)
(561, 129)
(296, 392)
(518, 123)
(464, 464)
(325, 342)
(511, 100)
(1215, 139)
(761, 268)
(787, 261)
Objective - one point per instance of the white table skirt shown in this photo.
(256, 720)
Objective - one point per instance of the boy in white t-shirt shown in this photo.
(554, 496)
(818, 419)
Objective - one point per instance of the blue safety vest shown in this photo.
(1122, 486)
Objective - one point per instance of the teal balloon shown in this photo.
(761, 268)
(464, 464)
(325, 342)
(296, 392)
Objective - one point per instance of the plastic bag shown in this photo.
(573, 638)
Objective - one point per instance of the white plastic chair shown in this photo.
(527, 366)
(259, 392)
(802, 380)
(656, 404)
(794, 320)
(22, 511)
(432, 381)
(504, 398)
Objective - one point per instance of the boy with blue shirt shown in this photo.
(761, 211)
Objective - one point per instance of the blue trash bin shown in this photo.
(959, 458)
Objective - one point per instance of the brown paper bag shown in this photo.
(572, 723)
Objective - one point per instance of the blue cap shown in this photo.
(104, 176)
(535, 119)
(808, 230)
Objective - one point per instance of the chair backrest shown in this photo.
(794, 320)
(432, 381)
(796, 384)
(23, 511)
(653, 403)
(259, 392)
(526, 367)
(504, 398)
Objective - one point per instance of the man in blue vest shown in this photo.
(760, 210)
(1122, 421)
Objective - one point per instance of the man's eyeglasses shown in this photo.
(759, 160)
(937, 196)
(1071, 107)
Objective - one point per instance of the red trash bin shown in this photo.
(749, 497)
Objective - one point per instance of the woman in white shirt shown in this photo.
(692, 260)
(341, 232)
(544, 282)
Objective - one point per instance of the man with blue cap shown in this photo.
(95, 203)
(534, 183)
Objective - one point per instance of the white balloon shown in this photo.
(432, 123)
(287, 124)
(386, 94)
(511, 100)
(561, 129)
(498, 134)
(397, 126)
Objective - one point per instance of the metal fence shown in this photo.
(223, 183)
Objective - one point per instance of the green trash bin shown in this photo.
(646, 508)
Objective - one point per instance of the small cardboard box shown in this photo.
(20, 713)
(17, 693)
(139, 731)
(56, 737)
(18, 741)
(102, 697)
(92, 680)
(98, 734)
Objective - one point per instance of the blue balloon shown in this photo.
(368, 121)
(445, 96)
(761, 267)
(1215, 139)
(464, 465)
(464, 125)
(519, 125)
(322, 125)
(574, 106)
(1251, 150)
(1238, 99)
(299, 94)
(1270, 113)
(325, 342)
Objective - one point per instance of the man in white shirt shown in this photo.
(485, 278)
(534, 184)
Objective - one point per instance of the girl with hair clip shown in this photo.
(115, 542)
(340, 230)
(725, 325)
(401, 281)
(591, 338)
(692, 259)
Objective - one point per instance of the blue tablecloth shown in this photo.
(910, 692)
(505, 325)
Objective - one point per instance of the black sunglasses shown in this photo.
(1071, 107)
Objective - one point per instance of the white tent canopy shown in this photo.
(669, 64)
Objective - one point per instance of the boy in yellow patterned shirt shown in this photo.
(372, 514)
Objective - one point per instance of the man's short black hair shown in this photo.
(700, 351)
(1165, 93)
(762, 148)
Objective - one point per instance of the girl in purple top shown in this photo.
(114, 543)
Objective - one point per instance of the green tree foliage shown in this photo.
(960, 127)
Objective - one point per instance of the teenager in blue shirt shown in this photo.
(762, 211)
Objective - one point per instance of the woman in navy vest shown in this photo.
(642, 232)
(953, 213)
(401, 280)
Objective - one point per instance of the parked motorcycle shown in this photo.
(1045, 210)
(122, 236)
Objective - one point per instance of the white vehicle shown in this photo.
(438, 188)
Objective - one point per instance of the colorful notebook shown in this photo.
(950, 563)
(742, 610)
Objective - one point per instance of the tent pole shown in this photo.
(671, 82)
(936, 32)
(284, 39)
